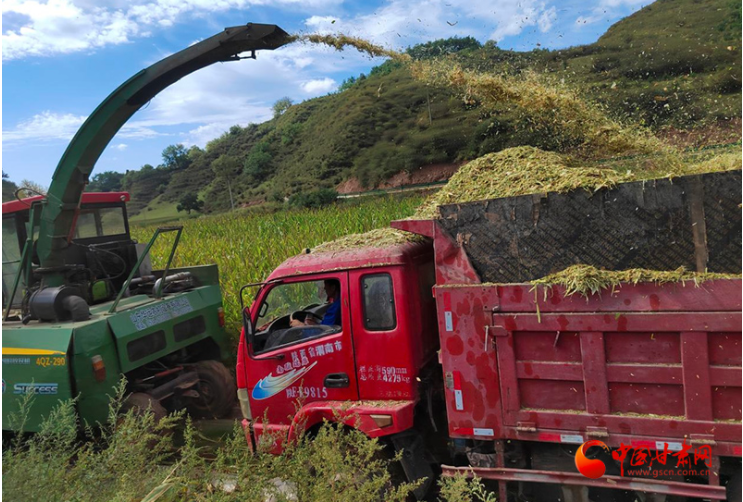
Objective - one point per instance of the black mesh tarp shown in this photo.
(690, 221)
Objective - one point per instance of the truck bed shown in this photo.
(644, 365)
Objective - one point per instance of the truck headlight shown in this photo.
(242, 396)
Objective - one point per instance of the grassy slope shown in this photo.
(675, 62)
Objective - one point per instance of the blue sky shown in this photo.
(61, 58)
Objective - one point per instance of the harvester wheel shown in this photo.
(140, 402)
(216, 390)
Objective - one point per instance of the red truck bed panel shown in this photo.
(647, 363)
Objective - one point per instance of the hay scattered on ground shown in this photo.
(518, 171)
(379, 238)
(587, 280)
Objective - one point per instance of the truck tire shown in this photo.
(216, 390)
(140, 402)
(734, 487)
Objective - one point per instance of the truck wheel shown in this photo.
(216, 390)
(140, 402)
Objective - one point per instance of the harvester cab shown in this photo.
(82, 306)
(101, 250)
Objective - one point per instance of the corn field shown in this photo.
(247, 246)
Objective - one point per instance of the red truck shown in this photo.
(436, 351)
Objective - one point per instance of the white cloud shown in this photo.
(322, 24)
(40, 28)
(320, 86)
(547, 19)
(47, 126)
(44, 126)
(62, 26)
(400, 23)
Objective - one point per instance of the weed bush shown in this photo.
(67, 461)
(130, 458)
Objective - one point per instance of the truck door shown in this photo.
(384, 352)
(301, 363)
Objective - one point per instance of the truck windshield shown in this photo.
(286, 299)
(11, 259)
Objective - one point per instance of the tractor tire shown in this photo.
(140, 402)
(216, 388)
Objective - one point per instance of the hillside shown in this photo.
(673, 66)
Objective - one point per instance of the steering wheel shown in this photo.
(301, 315)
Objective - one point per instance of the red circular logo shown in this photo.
(590, 467)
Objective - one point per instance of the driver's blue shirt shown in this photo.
(332, 316)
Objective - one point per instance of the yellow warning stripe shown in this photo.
(14, 351)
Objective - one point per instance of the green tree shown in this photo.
(226, 168)
(347, 84)
(281, 105)
(31, 188)
(190, 202)
(176, 157)
(107, 181)
(314, 199)
(195, 153)
(443, 47)
(258, 161)
(9, 188)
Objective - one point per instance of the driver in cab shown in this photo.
(332, 315)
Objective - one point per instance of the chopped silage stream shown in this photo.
(588, 139)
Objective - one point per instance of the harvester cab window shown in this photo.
(100, 222)
(379, 302)
(11, 259)
(306, 302)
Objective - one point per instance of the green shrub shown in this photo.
(314, 199)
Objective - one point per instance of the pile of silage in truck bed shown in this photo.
(379, 238)
(517, 171)
(587, 280)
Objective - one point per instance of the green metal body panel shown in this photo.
(91, 339)
(35, 359)
(150, 318)
(59, 355)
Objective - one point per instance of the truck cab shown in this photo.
(367, 360)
